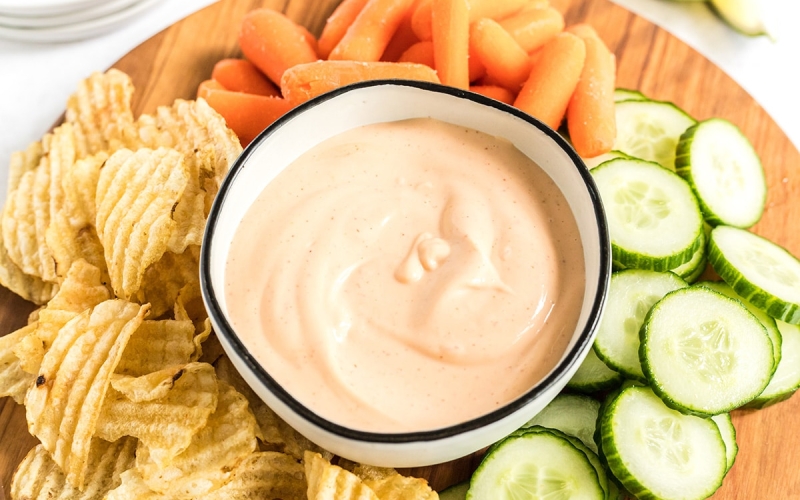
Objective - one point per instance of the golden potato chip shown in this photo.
(101, 112)
(69, 243)
(63, 405)
(275, 432)
(157, 345)
(28, 287)
(164, 410)
(39, 478)
(80, 185)
(136, 195)
(397, 487)
(189, 304)
(207, 464)
(23, 161)
(133, 487)
(14, 381)
(264, 475)
(329, 482)
(212, 350)
(164, 280)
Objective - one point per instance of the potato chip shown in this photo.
(39, 478)
(63, 405)
(164, 280)
(397, 487)
(157, 345)
(164, 409)
(264, 475)
(215, 451)
(136, 196)
(101, 112)
(23, 161)
(69, 243)
(28, 287)
(80, 185)
(133, 487)
(329, 482)
(14, 381)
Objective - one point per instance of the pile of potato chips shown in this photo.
(123, 381)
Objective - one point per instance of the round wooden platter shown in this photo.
(171, 64)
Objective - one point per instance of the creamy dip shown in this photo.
(407, 276)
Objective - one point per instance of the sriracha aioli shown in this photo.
(407, 276)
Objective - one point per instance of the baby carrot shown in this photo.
(583, 30)
(535, 4)
(533, 28)
(505, 61)
(310, 39)
(590, 114)
(475, 66)
(420, 53)
(402, 40)
(337, 25)
(273, 42)
(451, 41)
(247, 114)
(553, 79)
(370, 33)
(306, 81)
(494, 9)
(495, 92)
(207, 86)
(422, 20)
(240, 75)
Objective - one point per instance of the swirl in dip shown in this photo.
(407, 276)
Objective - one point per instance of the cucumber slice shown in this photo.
(572, 414)
(766, 320)
(653, 217)
(628, 95)
(631, 294)
(650, 130)
(659, 453)
(745, 16)
(786, 379)
(535, 465)
(455, 492)
(692, 270)
(594, 376)
(599, 160)
(728, 433)
(759, 270)
(704, 353)
(724, 171)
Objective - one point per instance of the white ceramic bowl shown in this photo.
(375, 102)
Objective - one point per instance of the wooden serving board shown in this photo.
(171, 64)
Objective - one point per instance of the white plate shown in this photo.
(43, 7)
(77, 31)
(49, 21)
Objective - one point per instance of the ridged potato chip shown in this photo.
(164, 409)
(264, 475)
(14, 381)
(63, 405)
(398, 487)
(23, 161)
(164, 280)
(329, 482)
(157, 345)
(39, 478)
(214, 453)
(136, 195)
(28, 287)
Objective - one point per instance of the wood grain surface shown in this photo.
(171, 64)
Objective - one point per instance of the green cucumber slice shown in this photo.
(762, 272)
(724, 171)
(455, 492)
(692, 270)
(659, 453)
(572, 414)
(766, 320)
(650, 130)
(535, 465)
(745, 16)
(653, 217)
(628, 95)
(704, 353)
(592, 163)
(594, 376)
(786, 379)
(631, 294)
(728, 433)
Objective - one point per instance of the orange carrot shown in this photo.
(240, 75)
(495, 92)
(337, 25)
(476, 67)
(505, 61)
(273, 42)
(494, 9)
(207, 86)
(451, 41)
(590, 114)
(372, 30)
(306, 81)
(583, 30)
(402, 40)
(310, 39)
(533, 28)
(422, 21)
(420, 53)
(553, 79)
(535, 4)
(247, 114)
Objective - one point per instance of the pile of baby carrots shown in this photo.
(515, 51)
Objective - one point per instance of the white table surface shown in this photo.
(36, 79)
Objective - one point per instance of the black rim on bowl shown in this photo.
(279, 392)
